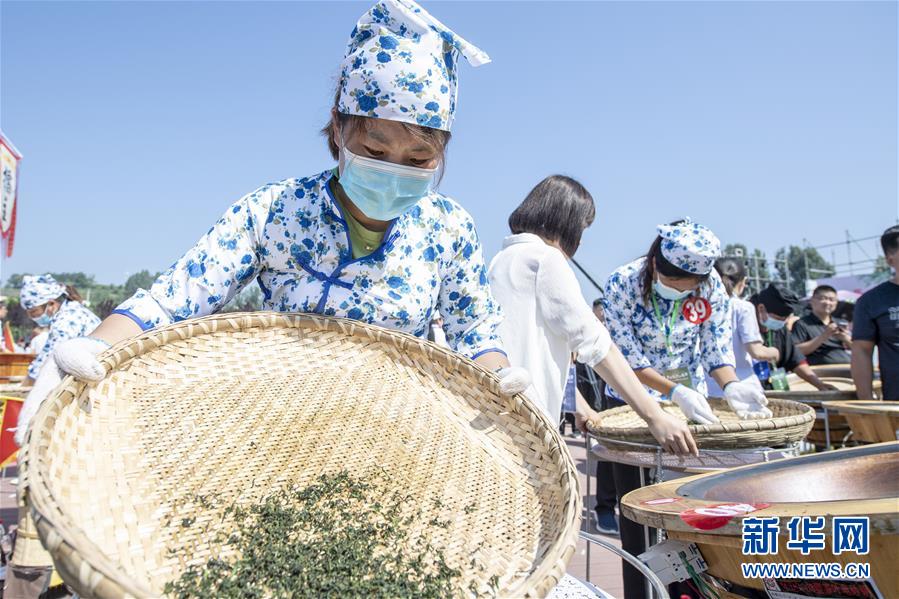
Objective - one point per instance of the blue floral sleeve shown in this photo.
(471, 316)
(716, 333)
(619, 303)
(212, 272)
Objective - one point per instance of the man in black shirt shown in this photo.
(876, 322)
(773, 306)
(816, 335)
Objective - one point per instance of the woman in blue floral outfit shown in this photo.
(370, 239)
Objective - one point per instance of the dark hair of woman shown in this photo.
(437, 139)
(70, 293)
(557, 209)
(732, 271)
(655, 260)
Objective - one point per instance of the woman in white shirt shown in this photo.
(547, 319)
(747, 340)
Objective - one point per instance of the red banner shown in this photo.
(9, 343)
(9, 186)
(9, 419)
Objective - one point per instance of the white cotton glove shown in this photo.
(747, 399)
(513, 380)
(694, 405)
(78, 357)
(47, 380)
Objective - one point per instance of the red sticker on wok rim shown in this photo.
(715, 516)
(661, 501)
(697, 310)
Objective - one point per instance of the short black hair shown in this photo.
(823, 289)
(597, 302)
(732, 271)
(557, 209)
(889, 241)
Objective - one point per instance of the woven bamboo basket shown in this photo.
(238, 405)
(791, 422)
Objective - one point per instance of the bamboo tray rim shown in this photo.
(802, 415)
(62, 535)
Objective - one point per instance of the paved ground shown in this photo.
(605, 567)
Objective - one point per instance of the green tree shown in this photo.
(139, 280)
(796, 265)
(756, 265)
(78, 280)
(881, 266)
(248, 300)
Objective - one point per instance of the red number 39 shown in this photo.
(697, 310)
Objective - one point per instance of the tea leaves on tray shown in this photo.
(338, 537)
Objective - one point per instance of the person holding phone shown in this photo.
(819, 336)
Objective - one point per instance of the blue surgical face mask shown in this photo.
(383, 190)
(43, 320)
(772, 324)
(669, 293)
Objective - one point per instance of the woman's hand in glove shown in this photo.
(513, 380)
(747, 399)
(78, 357)
(694, 405)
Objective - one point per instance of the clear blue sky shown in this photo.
(140, 122)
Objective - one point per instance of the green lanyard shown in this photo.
(770, 339)
(670, 325)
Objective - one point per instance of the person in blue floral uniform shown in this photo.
(370, 239)
(670, 315)
(58, 307)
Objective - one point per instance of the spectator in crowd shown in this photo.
(774, 305)
(876, 324)
(747, 339)
(822, 339)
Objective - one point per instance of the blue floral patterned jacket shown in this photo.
(291, 238)
(636, 330)
(73, 319)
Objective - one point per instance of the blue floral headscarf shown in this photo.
(400, 65)
(690, 246)
(38, 290)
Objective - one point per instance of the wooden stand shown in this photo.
(830, 427)
(860, 481)
(870, 421)
(14, 366)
